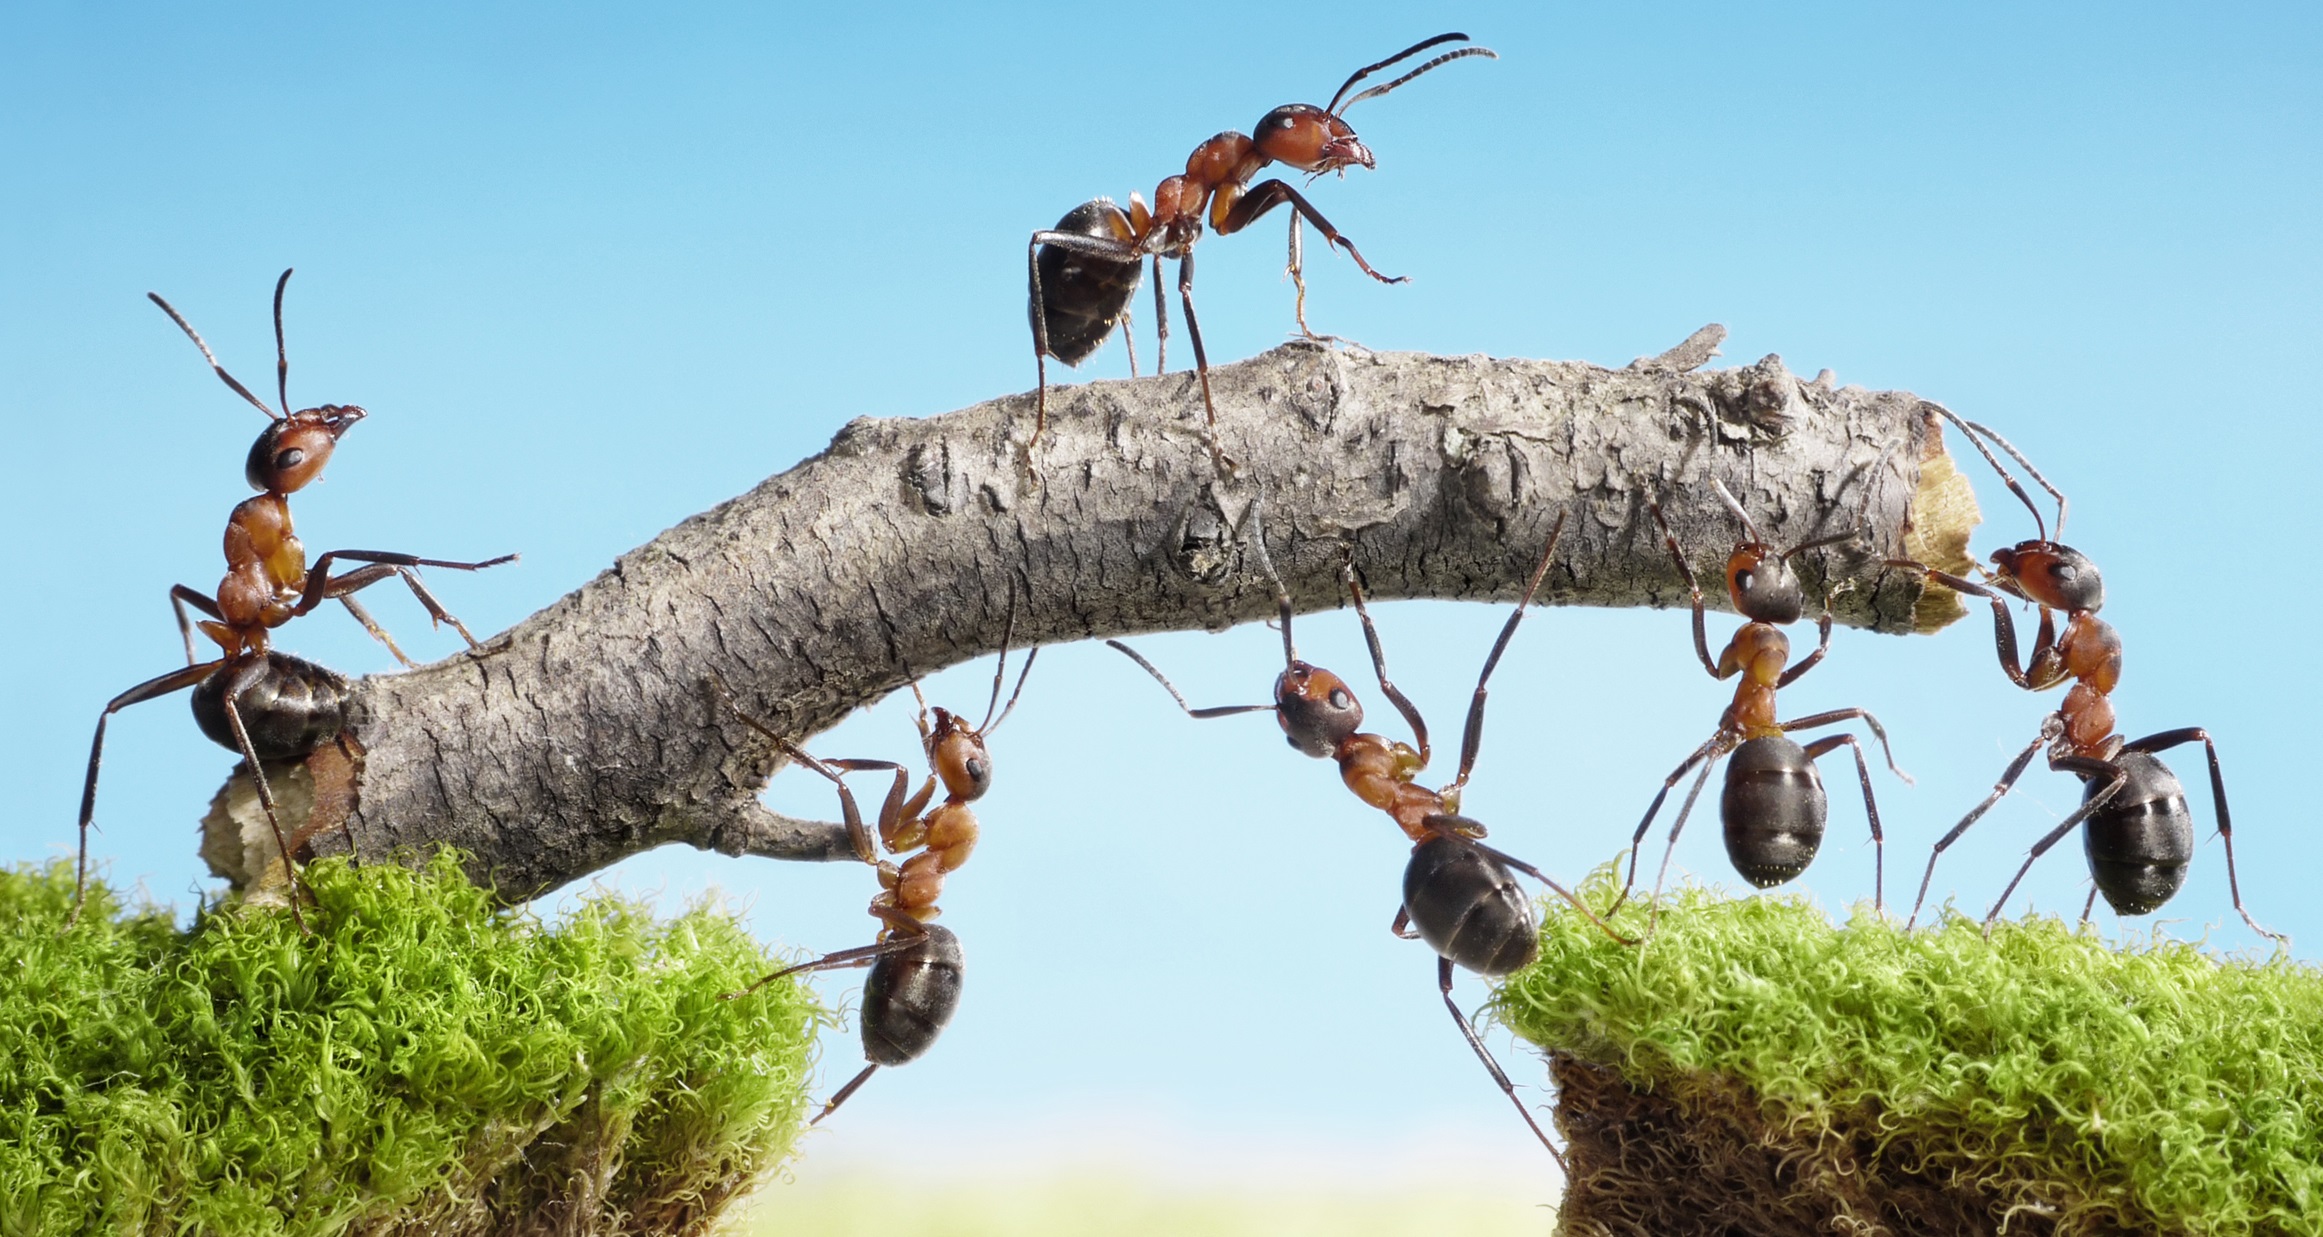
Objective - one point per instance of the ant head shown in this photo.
(292, 451)
(2048, 574)
(1310, 139)
(959, 757)
(1315, 708)
(1763, 586)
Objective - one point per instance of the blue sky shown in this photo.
(594, 269)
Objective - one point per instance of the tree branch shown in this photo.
(584, 734)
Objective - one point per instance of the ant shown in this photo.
(1773, 807)
(2140, 833)
(916, 965)
(1075, 305)
(293, 705)
(1458, 893)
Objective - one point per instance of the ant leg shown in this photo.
(1701, 634)
(1200, 715)
(321, 587)
(243, 676)
(1402, 927)
(2089, 907)
(1161, 322)
(1403, 704)
(1822, 646)
(2003, 627)
(1840, 715)
(2156, 743)
(2008, 778)
(1129, 339)
(179, 598)
(1662, 874)
(1708, 750)
(1472, 736)
(1201, 359)
(832, 1105)
(1816, 751)
(900, 827)
(857, 835)
(370, 624)
(2088, 770)
(1562, 892)
(1267, 195)
(153, 688)
(1444, 985)
(1294, 265)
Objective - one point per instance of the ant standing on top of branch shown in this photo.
(1084, 271)
(260, 703)
(1773, 807)
(916, 966)
(2140, 832)
(1458, 894)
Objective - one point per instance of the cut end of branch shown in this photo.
(1942, 515)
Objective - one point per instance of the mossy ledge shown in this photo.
(424, 1062)
(1755, 1069)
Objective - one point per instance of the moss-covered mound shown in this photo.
(422, 1063)
(1756, 1070)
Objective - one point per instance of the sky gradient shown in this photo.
(592, 270)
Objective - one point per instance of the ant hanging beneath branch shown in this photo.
(1083, 272)
(1773, 807)
(1458, 894)
(916, 965)
(2140, 831)
(262, 704)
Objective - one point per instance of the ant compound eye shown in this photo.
(289, 458)
(978, 771)
(1340, 699)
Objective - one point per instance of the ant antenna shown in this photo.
(1968, 430)
(2019, 457)
(1336, 109)
(281, 353)
(1282, 596)
(1739, 514)
(1002, 669)
(207, 355)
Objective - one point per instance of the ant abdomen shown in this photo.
(2140, 842)
(1083, 295)
(1467, 907)
(289, 707)
(1773, 809)
(909, 997)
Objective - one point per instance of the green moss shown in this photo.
(2088, 1088)
(422, 1062)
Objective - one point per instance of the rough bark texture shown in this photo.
(585, 733)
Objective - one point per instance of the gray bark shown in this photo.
(585, 734)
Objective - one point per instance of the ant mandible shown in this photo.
(1083, 271)
(916, 965)
(1458, 893)
(293, 706)
(1773, 807)
(2140, 833)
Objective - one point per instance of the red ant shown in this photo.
(2140, 832)
(916, 965)
(1458, 893)
(1076, 304)
(1773, 807)
(262, 704)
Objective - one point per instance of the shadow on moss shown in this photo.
(423, 1063)
(1755, 1069)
